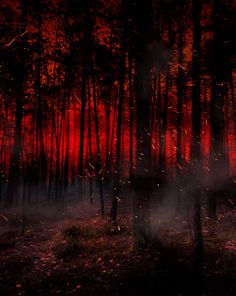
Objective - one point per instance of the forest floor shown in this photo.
(82, 254)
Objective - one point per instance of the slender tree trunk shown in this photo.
(82, 125)
(117, 175)
(217, 119)
(15, 162)
(233, 100)
(196, 148)
(113, 125)
(38, 87)
(108, 113)
(131, 119)
(180, 99)
(90, 171)
(99, 163)
(18, 74)
(162, 149)
(180, 92)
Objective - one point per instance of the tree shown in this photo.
(117, 176)
(217, 117)
(143, 64)
(15, 62)
(195, 166)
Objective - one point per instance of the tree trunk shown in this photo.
(196, 168)
(117, 169)
(17, 69)
(218, 168)
(143, 175)
(99, 163)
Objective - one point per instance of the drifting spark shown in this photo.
(179, 65)
(118, 199)
(4, 217)
(78, 99)
(231, 202)
(14, 39)
(179, 166)
(91, 166)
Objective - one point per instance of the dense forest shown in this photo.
(118, 124)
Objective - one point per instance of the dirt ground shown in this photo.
(73, 252)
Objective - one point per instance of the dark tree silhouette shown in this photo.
(143, 179)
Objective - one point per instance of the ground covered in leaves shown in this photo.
(83, 254)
